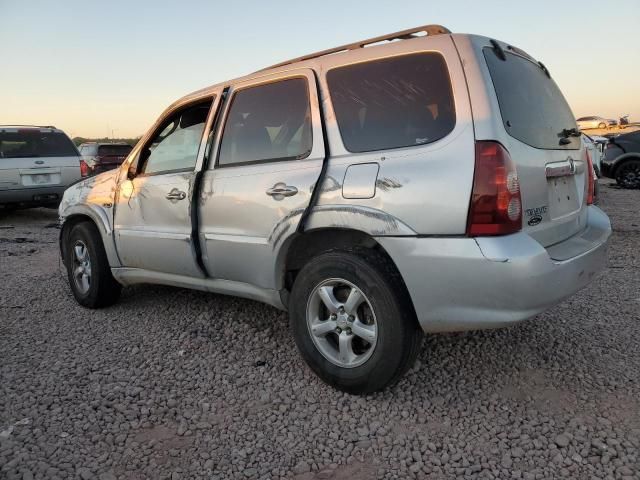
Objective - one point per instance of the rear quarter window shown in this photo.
(393, 102)
(532, 106)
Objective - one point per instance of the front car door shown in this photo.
(268, 158)
(153, 215)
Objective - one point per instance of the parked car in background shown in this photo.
(373, 192)
(587, 123)
(36, 165)
(595, 146)
(622, 159)
(623, 122)
(102, 157)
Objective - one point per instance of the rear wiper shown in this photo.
(569, 132)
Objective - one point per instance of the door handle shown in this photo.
(176, 194)
(280, 190)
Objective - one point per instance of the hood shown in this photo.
(98, 190)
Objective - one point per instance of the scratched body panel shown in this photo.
(95, 197)
(153, 232)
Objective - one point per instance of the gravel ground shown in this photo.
(171, 383)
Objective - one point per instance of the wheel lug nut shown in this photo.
(333, 316)
(351, 318)
(339, 330)
(341, 309)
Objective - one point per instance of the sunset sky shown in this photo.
(94, 68)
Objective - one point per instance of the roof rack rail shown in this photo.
(430, 30)
(34, 126)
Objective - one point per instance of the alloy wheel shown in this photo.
(630, 175)
(81, 267)
(342, 323)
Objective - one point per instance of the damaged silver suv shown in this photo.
(376, 191)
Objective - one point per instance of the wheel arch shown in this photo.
(301, 248)
(82, 213)
(622, 159)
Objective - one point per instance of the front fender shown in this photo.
(93, 199)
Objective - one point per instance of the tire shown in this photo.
(385, 309)
(95, 287)
(602, 125)
(628, 174)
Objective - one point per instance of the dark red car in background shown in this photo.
(100, 157)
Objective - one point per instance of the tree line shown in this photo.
(131, 141)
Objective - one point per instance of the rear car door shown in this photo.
(268, 158)
(153, 216)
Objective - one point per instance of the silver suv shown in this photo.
(37, 164)
(376, 191)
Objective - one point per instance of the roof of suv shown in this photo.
(305, 60)
(105, 143)
(29, 127)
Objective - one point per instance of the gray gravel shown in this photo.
(174, 384)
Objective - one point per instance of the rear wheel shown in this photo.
(88, 269)
(602, 125)
(628, 174)
(352, 321)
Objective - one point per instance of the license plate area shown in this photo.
(40, 179)
(563, 196)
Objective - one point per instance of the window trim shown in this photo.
(161, 125)
(392, 57)
(227, 110)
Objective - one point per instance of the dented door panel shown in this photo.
(243, 220)
(152, 231)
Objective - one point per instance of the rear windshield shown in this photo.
(35, 143)
(114, 150)
(394, 102)
(533, 109)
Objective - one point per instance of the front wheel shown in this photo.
(602, 125)
(88, 269)
(628, 174)
(353, 322)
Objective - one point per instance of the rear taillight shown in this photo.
(496, 206)
(84, 168)
(591, 180)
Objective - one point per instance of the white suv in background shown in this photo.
(37, 164)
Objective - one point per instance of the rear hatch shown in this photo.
(543, 142)
(111, 156)
(36, 157)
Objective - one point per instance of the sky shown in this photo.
(110, 67)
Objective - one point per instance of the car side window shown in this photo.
(392, 102)
(267, 123)
(175, 144)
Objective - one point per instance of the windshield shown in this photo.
(533, 108)
(114, 150)
(35, 143)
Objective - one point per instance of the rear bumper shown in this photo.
(32, 196)
(459, 284)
